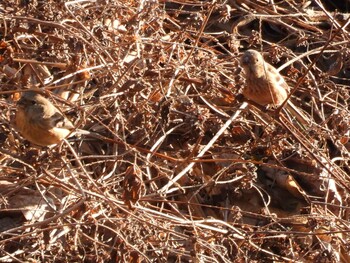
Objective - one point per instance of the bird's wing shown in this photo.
(53, 120)
(277, 77)
(59, 121)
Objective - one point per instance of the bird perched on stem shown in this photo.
(266, 86)
(39, 121)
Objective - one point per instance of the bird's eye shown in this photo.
(33, 102)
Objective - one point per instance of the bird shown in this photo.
(264, 84)
(39, 121)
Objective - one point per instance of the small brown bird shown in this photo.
(264, 84)
(39, 121)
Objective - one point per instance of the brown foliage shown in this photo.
(181, 170)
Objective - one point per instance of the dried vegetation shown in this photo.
(183, 171)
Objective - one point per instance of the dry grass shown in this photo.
(182, 171)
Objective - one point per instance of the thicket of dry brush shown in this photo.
(182, 170)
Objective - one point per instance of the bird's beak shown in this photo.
(245, 60)
(21, 103)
